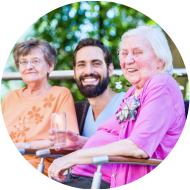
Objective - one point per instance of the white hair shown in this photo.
(158, 42)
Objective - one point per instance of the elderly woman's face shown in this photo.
(138, 61)
(38, 73)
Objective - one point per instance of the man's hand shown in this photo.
(73, 140)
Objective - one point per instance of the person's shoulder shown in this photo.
(13, 97)
(13, 94)
(121, 94)
(61, 90)
(161, 80)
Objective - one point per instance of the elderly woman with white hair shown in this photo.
(148, 123)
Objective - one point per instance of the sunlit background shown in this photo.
(65, 26)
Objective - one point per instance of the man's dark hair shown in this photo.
(93, 42)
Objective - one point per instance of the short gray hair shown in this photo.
(23, 48)
(158, 42)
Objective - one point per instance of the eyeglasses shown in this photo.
(34, 62)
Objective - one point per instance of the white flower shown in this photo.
(181, 87)
(118, 85)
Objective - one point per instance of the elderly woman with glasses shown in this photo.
(27, 111)
(148, 123)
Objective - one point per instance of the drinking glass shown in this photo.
(58, 126)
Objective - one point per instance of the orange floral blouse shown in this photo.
(29, 119)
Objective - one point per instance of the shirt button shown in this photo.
(122, 126)
(113, 175)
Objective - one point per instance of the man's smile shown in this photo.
(90, 80)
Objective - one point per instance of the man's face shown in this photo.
(91, 72)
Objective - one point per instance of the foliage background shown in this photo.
(65, 26)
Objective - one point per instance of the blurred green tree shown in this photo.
(65, 26)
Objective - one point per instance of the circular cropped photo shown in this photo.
(95, 95)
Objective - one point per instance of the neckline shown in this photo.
(34, 99)
(131, 93)
(112, 100)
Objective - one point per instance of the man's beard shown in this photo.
(92, 91)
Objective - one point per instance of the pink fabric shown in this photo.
(160, 121)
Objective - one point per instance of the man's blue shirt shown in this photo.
(90, 126)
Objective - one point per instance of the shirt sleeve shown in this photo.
(66, 104)
(2, 106)
(156, 116)
(4, 102)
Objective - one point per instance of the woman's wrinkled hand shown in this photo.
(60, 165)
(72, 140)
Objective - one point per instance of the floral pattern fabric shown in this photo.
(28, 120)
(129, 110)
(33, 117)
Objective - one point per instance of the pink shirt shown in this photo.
(160, 121)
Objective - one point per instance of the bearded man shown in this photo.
(92, 64)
